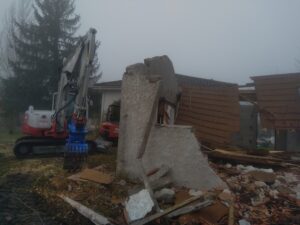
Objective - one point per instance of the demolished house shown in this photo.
(278, 99)
(170, 125)
(142, 138)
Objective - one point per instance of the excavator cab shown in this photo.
(109, 129)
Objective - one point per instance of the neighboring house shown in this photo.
(107, 93)
(278, 98)
(212, 108)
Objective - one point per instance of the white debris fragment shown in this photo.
(276, 184)
(139, 205)
(244, 222)
(259, 198)
(290, 178)
(260, 184)
(122, 182)
(166, 195)
(246, 169)
(193, 192)
(274, 193)
(228, 165)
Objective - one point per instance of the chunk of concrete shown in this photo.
(162, 66)
(173, 146)
(177, 147)
(139, 205)
(165, 195)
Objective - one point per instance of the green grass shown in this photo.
(6, 138)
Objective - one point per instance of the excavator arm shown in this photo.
(74, 82)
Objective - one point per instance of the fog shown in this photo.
(222, 40)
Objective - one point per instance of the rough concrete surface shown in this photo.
(174, 146)
(178, 148)
(137, 99)
(162, 66)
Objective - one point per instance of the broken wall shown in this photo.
(175, 146)
(178, 148)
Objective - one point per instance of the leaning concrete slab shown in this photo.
(178, 148)
(175, 146)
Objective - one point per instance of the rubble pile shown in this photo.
(263, 196)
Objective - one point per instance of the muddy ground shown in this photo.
(29, 189)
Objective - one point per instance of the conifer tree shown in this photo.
(40, 46)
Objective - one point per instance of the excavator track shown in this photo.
(29, 146)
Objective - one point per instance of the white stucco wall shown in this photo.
(108, 97)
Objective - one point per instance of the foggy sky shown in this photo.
(222, 40)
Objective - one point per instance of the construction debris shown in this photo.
(96, 176)
(261, 197)
(244, 158)
(164, 177)
(177, 147)
(244, 222)
(165, 195)
(94, 217)
(165, 212)
(190, 208)
(139, 205)
(92, 175)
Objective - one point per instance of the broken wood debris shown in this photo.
(92, 175)
(96, 176)
(94, 217)
(138, 205)
(165, 212)
(190, 208)
(244, 158)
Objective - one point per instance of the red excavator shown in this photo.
(64, 125)
(109, 129)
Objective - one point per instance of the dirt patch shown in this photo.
(21, 205)
(29, 190)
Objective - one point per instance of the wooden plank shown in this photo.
(212, 97)
(243, 158)
(165, 212)
(190, 208)
(220, 129)
(94, 217)
(213, 108)
(286, 124)
(261, 93)
(209, 88)
(282, 80)
(283, 104)
(203, 101)
(211, 92)
(280, 86)
(283, 110)
(200, 112)
(213, 139)
(209, 118)
(96, 176)
(208, 135)
(275, 76)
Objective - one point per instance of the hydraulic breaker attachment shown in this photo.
(76, 150)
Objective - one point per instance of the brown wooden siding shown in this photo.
(213, 111)
(278, 100)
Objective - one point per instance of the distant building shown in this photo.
(278, 100)
(102, 95)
